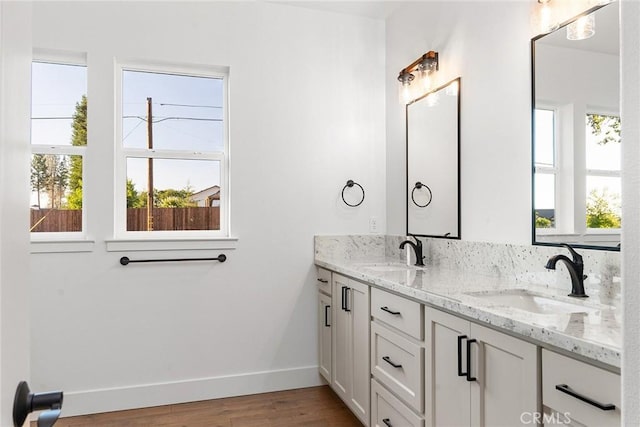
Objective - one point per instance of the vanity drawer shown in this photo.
(594, 384)
(401, 313)
(324, 280)
(398, 364)
(387, 410)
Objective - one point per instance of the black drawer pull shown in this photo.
(344, 288)
(460, 338)
(326, 316)
(469, 377)
(387, 422)
(567, 390)
(323, 280)
(385, 308)
(386, 359)
(346, 299)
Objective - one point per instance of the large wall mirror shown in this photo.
(433, 163)
(576, 132)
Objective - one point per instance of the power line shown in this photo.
(190, 105)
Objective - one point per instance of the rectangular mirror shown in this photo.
(576, 132)
(433, 163)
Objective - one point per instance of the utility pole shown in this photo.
(150, 167)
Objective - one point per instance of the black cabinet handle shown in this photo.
(326, 316)
(388, 360)
(323, 280)
(346, 299)
(343, 298)
(469, 377)
(567, 390)
(460, 338)
(385, 308)
(387, 422)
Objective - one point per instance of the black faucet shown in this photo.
(417, 248)
(576, 271)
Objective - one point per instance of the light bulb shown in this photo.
(425, 80)
(582, 28)
(405, 92)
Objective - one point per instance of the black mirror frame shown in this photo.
(533, 167)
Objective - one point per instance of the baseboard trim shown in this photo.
(148, 395)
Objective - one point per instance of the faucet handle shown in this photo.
(577, 258)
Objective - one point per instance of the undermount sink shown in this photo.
(387, 266)
(532, 302)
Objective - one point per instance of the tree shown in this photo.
(601, 211)
(78, 138)
(133, 197)
(542, 222)
(58, 179)
(606, 127)
(40, 174)
(171, 198)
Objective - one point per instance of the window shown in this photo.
(173, 153)
(603, 179)
(545, 168)
(58, 144)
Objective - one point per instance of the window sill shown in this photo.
(127, 245)
(61, 246)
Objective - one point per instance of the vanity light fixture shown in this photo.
(424, 67)
(582, 28)
(546, 22)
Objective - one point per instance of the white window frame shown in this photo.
(551, 170)
(72, 59)
(122, 153)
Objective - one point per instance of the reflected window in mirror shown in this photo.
(576, 136)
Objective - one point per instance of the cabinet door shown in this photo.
(358, 305)
(341, 340)
(507, 384)
(448, 401)
(324, 335)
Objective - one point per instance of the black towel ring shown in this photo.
(350, 183)
(418, 186)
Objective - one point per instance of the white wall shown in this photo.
(307, 113)
(487, 44)
(15, 60)
(630, 97)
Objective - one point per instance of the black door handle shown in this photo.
(388, 360)
(346, 299)
(460, 338)
(385, 308)
(326, 315)
(567, 390)
(344, 288)
(387, 422)
(469, 377)
(323, 280)
(26, 402)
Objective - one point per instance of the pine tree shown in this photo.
(78, 138)
(40, 174)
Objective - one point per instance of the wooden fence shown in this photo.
(199, 218)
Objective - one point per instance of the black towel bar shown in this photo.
(125, 260)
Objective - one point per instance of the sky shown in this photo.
(193, 123)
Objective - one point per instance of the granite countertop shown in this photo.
(594, 334)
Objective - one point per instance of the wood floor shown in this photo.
(309, 407)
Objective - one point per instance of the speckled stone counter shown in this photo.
(594, 334)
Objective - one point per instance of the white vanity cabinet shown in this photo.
(350, 374)
(477, 376)
(325, 316)
(576, 393)
(397, 359)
